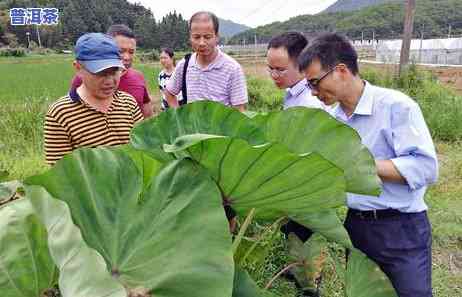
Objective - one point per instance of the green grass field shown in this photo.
(28, 85)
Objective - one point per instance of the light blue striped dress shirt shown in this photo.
(392, 127)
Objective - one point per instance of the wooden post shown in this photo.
(38, 36)
(421, 42)
(407, 36)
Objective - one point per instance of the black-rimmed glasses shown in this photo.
(314, 83)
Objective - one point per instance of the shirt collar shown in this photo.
(364, 106)
(366, 101)
(217, 63)
(74, 95)
(298, 88)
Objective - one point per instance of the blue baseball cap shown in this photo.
(97, 52)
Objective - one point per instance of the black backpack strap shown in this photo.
(183, 86)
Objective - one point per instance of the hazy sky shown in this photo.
(248, 12)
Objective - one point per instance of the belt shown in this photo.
(376, 214)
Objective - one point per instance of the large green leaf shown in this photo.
(268, 177)
(170, 238)
(202, 117)
(304, 130)
(365, 279)
(146, 164)
(83, 271)
(26, 267)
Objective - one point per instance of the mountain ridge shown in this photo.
(352, 5)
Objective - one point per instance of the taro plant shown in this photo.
(121, 223)
(297, 163)
(147, 219)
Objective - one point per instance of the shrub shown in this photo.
(12, 52)
(263, 95)
(43, 51)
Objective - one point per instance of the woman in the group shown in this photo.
(167, 61)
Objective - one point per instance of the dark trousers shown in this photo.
(400, 245)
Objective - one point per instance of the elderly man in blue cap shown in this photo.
(96, 113)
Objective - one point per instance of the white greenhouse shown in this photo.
(428, 51)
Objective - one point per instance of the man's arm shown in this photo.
(238, 89)
(415, 159)
(148, 108)
(174, 85)
(56, 140)
(387, 172)
(240, 107)
(136, 112)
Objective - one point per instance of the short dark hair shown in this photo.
(330, 49)
(168, 51)
(120, 29)
(210, 15)
(293, 42)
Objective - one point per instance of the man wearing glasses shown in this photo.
(96, 113)
(281, 58)
(392, 229)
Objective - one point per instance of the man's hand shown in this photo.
(240, 107)
(147, 109)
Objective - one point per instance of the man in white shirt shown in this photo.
(281, 58)
(392, 229)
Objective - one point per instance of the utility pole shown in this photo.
(449, 31)
(38, 37)
(255, 52)
(407, 36)
(374, 45)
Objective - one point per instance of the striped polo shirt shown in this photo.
(71, 123)
(223, 81)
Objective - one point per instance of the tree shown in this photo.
(173, 31)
